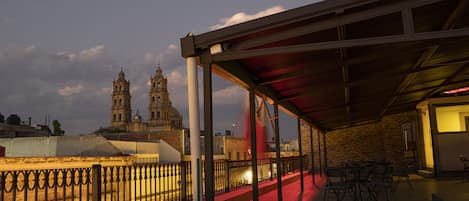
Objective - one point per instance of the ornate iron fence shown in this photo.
(147, 181)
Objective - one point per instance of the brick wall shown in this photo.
(383, 140)
(306, 146)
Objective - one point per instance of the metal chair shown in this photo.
(380, 181)
(465, 163)
(401, 171)
(336, 183)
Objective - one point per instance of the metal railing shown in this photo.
(148, 181)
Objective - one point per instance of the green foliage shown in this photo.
(57, 130)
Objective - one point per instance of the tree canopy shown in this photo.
(57, 128)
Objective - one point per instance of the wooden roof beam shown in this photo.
(311, 91)
(433, 87)
(425, 56)
(293, 75)
(342, 35)
(434, 35)
(446, 82)
(339, 20)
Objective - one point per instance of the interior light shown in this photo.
(455, 91)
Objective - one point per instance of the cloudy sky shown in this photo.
(59, 57)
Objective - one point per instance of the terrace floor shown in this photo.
(448, 189)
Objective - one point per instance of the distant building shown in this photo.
(162, 115)
(89, 146)
(12, 127)
(2, 118)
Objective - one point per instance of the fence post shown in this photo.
(227, 175)
(271, 170)
(183, 180)
(96, 183)
(2, 185)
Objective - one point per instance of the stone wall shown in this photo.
(72, 145)
(383, 140)
(173, 138)
(39, 163)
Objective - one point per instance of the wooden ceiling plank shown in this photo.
(342, 35)
(409, 77)
(446, 82)
(237, 71)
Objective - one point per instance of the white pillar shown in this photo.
(194, 126)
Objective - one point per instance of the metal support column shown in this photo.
(325, 149)
(193, 98)
(312, 152)
(96, 182)
(208, 127)
(277, 153)
(301, 156)
(252, 125)
(319, 153)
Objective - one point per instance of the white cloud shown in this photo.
(243, 17)
(176, 78)
(29, 49)
(172, 46)
(150, 58)
(229, 95)
(106, 90)
(13, 52)
(70, 90)
(6, 20)
(91, 53)
(162, 57)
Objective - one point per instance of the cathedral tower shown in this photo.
(161, 113)
(121, 110)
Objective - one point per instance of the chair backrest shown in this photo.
(464, 161)
(336, 174)
(382, 173)
(436, 198)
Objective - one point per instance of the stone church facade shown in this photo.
(162, 115)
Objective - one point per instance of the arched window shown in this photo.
(158, 115)
(153, 99)
(120, 117)
(120, 101)
(152, 115)
(158, 99)
(115, 101)
(114, 117)
(159, 84)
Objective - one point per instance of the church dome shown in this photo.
(137, 118)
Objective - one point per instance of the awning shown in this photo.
(341, 63)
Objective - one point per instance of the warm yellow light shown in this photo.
(248, 176)
(427, 138)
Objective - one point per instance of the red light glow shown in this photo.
(455, 91)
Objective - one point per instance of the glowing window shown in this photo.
(452, 118)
